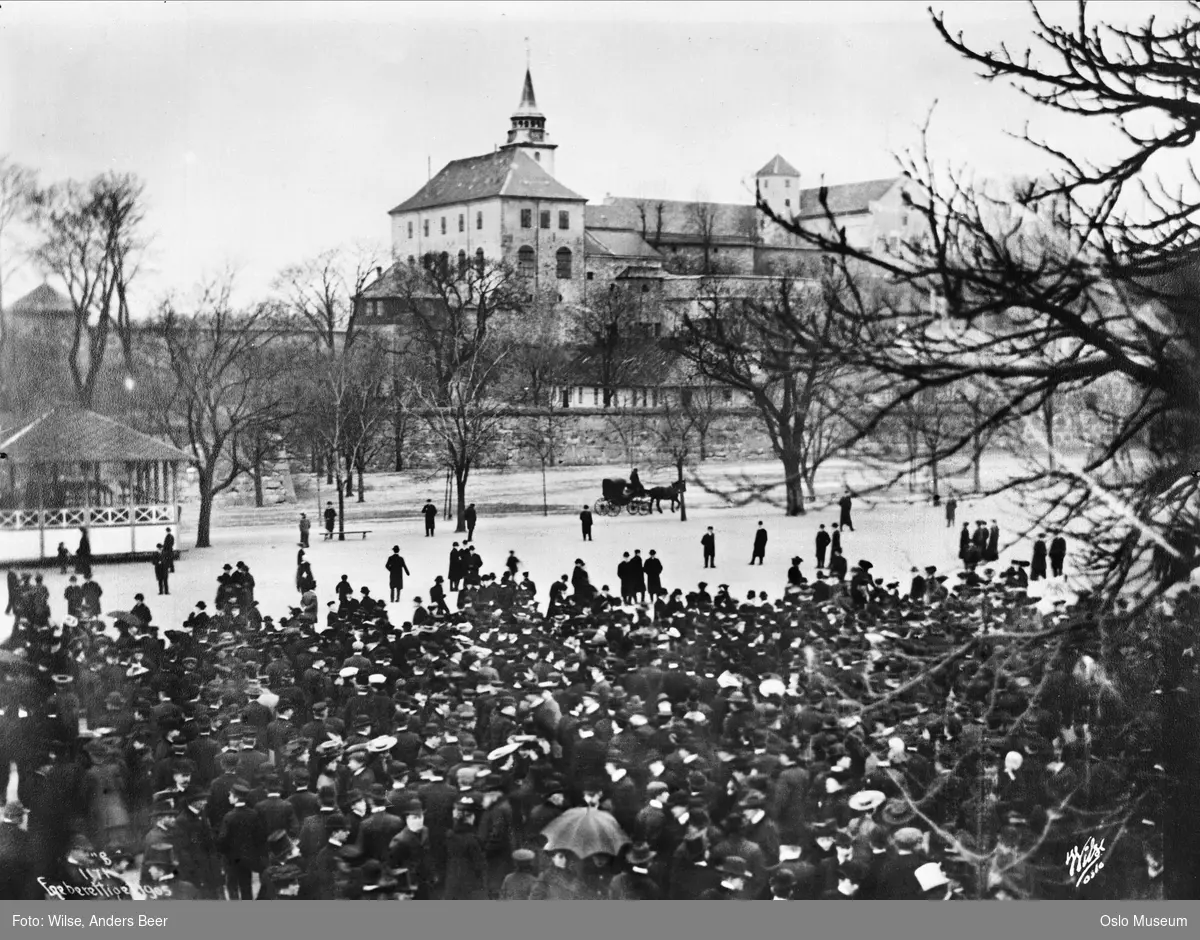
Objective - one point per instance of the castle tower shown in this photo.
(779, 186)
(528, 129)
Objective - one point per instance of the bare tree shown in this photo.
(321, 293)
(89, 236)
(774, 344)
(539, 436)
(1095, 261)
(677, 434)
(465, 419)
(614, 344)
(214, 380)
(17, 186)
(702, 216)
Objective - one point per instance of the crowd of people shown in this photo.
(851, 738)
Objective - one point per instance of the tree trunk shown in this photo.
(349, 474)
(316, 463)
(460, 487)
(204, 518)
(1048, 420)
(933, 470)
(545, 505)
(341, 506)
(793, 484)
(682, 494)
(257, 474)
(330, 460)
(360, 463)
(810, 484)
(976, 461)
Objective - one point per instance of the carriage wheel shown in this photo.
(641, 507)
(601, 507)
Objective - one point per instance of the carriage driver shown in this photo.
(635, 485)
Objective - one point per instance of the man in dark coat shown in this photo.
(429, 511)
(822, 546)
(964, 541)
(821, 589)
(993, 545)
(275, 812)
(376, 832)
(585, 520)
(653, 569)
(709, 542)
(1058, 554)
(1037, 568)
(140, 610)
(195, 847)
(168, 550)
(637, 576)
(397, 569)
(760, 545)
(835, 540)
(83, 555)
(243, 843)
(917, 591)
(470, 517)
(457, 567)
(897, 878)
(161, 571)
(844, 505)
(330, 520)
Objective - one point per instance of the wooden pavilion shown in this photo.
(72, 469)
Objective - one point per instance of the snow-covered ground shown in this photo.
(895, 531)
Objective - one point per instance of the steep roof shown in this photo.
(777, 166)
(43, 300)
(64, 435)
(510, 172)
(731, 222)
(844, 198)
(617, 243)
(528, 105)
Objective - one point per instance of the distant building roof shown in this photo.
(844, 198)
(43, 301)
(510, 172)
(777, 166)
(528, 105)
(617, 243)
(731, 222)
(71, 436)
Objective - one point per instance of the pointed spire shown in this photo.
(528, 101)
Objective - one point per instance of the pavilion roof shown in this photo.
(77, 435)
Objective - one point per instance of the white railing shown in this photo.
(98, 516)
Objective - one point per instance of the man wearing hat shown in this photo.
(323, 869)
(376, 832)
(636, 883)
(140, 610)
(897, 877)
(197, 858)
(735, 877)
(242, 842)
(396, 569)
(518, 884)
(708, 542)
(160, 880)
(410, 848)
(274, 811)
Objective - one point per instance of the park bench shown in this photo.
(329, 536)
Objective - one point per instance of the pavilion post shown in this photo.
(41, 512)
(130, 505)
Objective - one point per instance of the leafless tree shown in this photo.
(17, 185)
(539, 436)
(613, 343)
(774, 344)
(213, 380)
(1095, 261)
(702, 216)
(677, 434)
(89, 236)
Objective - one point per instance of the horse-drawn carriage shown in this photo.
(618, 495)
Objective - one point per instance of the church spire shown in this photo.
(528, 130)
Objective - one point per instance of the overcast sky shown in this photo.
(266, 132)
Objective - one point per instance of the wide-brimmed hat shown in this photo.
(897, 813)
(735, 866)
(641, 855)
(866, 800)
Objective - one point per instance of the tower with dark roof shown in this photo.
(528, 130)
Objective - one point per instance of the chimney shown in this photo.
(378, 271)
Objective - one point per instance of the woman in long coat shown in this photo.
(105, 786)
(559, 882)
(466, 863)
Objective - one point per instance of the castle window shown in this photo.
(563, 260)
(537, 156)
(787, 184)
(545, 218)
(564, 221)
(787, 203)
(591, 275)
(425, 228)
(526, 218)
(411, 261)
(478, 220)
(525, 262)
(410, 230)
(462, 222)
(479, 260)
(443, 225)
(766, 184)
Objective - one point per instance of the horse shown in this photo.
(658, 493)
